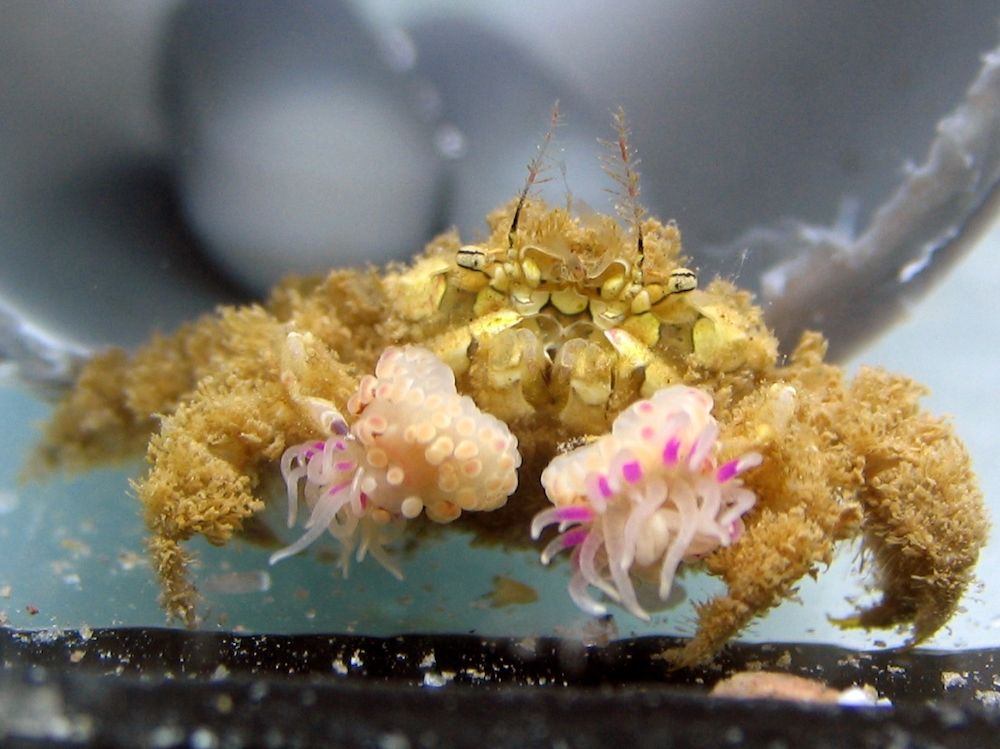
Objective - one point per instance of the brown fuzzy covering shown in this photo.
(215, 407)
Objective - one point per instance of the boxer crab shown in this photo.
(554, 327)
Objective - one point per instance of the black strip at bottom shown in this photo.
(170, 688)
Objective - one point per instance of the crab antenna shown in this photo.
(621, 165)
(535, 168)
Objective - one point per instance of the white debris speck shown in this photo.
(224, 704)
(237, 583)
(853, 697)
(428, 661)
(202, 738)
(339, 667)
(476, 674)
(863, 696)
(164, 736)
(129, 560)
(432, 679)
(393, 741)
(952, 679)
(989, 697)
(589, 631)
(527, 644)
(9, 501)
(76, 547)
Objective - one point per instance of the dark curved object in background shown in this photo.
(748, 117)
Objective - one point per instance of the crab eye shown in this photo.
(471, 257)
(681, 280)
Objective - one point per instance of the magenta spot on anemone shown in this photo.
(574, 537)
(727, 471)
(647, 433)
(339, 446)
(337, 488)
(671, 451)
(318, 445)
(603, 486)
(736, 529)
(632, 471)
(364, 501)
(646, 407)
(345, 465)
(574, 514)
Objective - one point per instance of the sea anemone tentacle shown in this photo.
(415, 446)
(643, 499)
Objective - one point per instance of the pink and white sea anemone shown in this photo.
(415, 445)
(644, 498)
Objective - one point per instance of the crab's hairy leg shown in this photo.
(115, 403)
(760, 571)
(347, 310)
(924, 517)
(797, 522)
(109, 413)
(201, 479)
(189, 490)
(93, 422)
(204, 460)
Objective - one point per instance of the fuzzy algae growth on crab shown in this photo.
(754, 468)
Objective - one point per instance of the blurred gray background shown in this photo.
(158, 157)
(202, 149)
